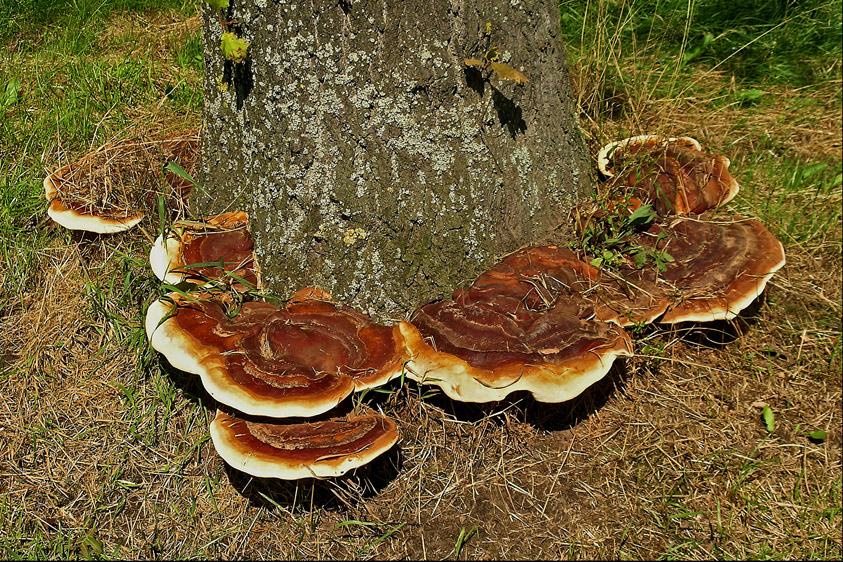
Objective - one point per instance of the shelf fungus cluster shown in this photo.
(112, 188)
(718, 264)
(279, 373)
(544, 319)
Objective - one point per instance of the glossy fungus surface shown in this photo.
(280, 449)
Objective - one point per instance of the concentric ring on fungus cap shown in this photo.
(720, 266)
(106, 190)
(301, 360)
(327, 448)
(520, 326)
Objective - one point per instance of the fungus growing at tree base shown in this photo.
(111, 189)
(541, 320)
(300, 360)
(672, 174)
(193, 251)
(322, 449)
(522, 325)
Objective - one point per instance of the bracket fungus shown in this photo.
(301, 360)
(541, 320)
(323, 449)
(193, 251)
(520, 326)
(719, 268)
(109, 189)
(673, 174)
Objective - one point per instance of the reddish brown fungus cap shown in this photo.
(675, 175)
(719, 266)
(191, 247)
(520, 326)
(323, 449)
(300, 360)
(110, 189)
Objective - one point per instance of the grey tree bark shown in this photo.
(372, 161)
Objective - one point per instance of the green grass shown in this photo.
(800, 186)
(774, 41)
(63, 91)
(21, 16)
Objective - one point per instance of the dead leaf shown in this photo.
(506, 72)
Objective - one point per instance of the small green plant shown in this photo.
(463, 539)
(607, 236)
(817, 435)
(377, 541)
(233, 48)
(653, 348)
(769, 418)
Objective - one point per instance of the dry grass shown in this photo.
(124, 179)
(105, 450)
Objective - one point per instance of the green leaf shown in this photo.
(10, 94)
(769, 418)
(233, 48)
(691, 54)
(492, 54)
(218, 4)
(506, 72)
(462, 539)
(179, 171)
(749, 96)
(813, 169)
(356, 522)
(597, 262)
(817, 435)
(640, 258)
(641, 215)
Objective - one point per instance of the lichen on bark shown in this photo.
(371, 161)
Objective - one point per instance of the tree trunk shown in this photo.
(372, 161)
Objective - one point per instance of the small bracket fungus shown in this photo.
(608, 152)
(193, 251)
(323, 449)
(673, 174)
(75, 216)
(108, 190)
(301, 360)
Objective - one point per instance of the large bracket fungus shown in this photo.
(110, 189)
(300, 360)
(673, 174)
(720, 266)
(520, 326)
